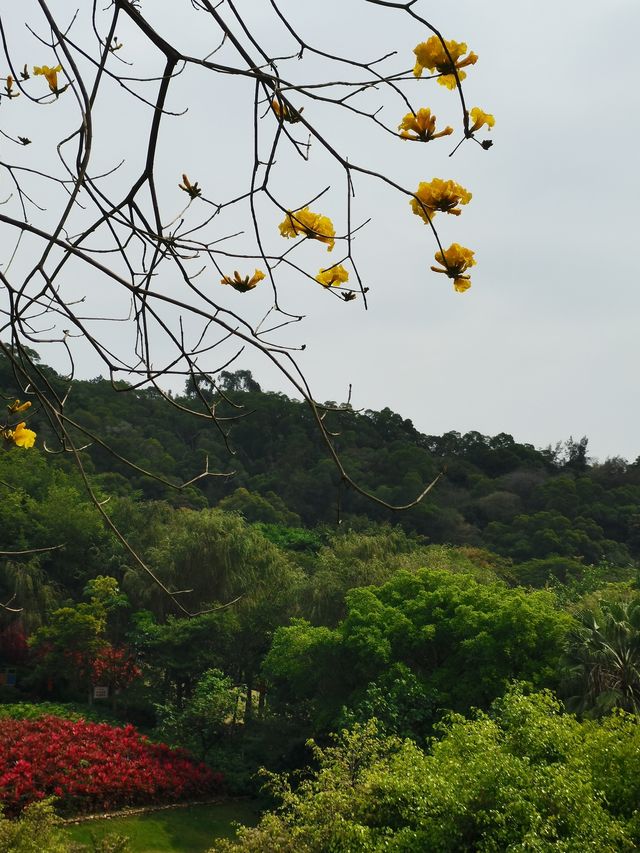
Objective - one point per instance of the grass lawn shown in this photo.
(181, 830)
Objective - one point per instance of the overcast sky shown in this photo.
(545, 344)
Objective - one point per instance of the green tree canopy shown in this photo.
(526, 777)
(463, 639)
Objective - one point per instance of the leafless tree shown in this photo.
(117, 232)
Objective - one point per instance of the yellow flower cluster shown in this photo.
(49, 74)
(456, 260)
(421, 126)
(19, 434)
(243, 284)
(309, 224)
(333, 277)
(446, 59)
(432, 55)
(430, 197)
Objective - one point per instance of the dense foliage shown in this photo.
(520, 567)
(526, 777)
(36, 830)
(521, 502)
(457, 640)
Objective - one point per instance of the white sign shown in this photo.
(100, 692)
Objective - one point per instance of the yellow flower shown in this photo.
(333, 277)
(50, 75)
(17, 406)
(243, 284)
(285, 112)
(423, 125)
(311, 225)
(439, 195)
(432, 55)
(21, 436)
(8, 87)
(193, 190)
(456, 260)
(479, 118)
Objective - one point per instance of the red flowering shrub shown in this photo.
(110, 665)
(93, 767)
(114, 666)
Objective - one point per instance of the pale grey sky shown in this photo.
(545, 344)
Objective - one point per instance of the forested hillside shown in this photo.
(519, 501)
(236, 618)
(233, 620)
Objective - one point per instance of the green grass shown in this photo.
(181, 830)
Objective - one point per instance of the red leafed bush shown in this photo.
(115, 667)
(110, 665)
(93, 767)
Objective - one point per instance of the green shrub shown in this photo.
(524, 777)
(67, 711)
(35, 831)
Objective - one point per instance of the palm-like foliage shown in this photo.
(602, 659)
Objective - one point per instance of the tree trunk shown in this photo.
(262, 699)
(248, 706)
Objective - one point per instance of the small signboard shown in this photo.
(100, 692)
